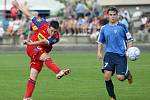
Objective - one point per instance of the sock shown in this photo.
(110, 88)
(30, 88)
(126, 76)
(52, 66)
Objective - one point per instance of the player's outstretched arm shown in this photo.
(23, 8)
(36, 43)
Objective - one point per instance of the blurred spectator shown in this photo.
(10, 26)
(82, 25)
(16, 25)
(136, 15)
(95, 12)
(89, 3)
(13, 11)
(80, 9)
(68, 10)
(5, 23)
(1, 33)
(124, 21)
(105, 12)
(100, 22)
(63, 26)
(96, 8)
(144, 19)
(147, 26)
(143, 35)
(125, 13)
(72, 29)
(1, 20)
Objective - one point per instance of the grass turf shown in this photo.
(85, 82)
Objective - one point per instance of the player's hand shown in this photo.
(25, 42)
(15, 3)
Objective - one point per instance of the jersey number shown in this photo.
(41, 37)
(106, 63)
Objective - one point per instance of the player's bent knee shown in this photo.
(107, 77)
(33, 74)
(120, 77)
(44, 56)
(33, 77)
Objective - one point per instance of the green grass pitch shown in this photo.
(85, 82)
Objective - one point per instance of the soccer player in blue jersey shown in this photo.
(117, 39)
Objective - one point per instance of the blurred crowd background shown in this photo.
(78, 18)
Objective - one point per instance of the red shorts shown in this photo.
(34, 52)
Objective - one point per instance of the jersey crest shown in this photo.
(115, 31)
(38, 19)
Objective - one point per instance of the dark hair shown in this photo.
(54, 24)
(112, 9)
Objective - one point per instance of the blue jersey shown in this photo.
(115, 37)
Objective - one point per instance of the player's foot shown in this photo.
(112, 98)
(130, 78)
(62, 73)
(27, 98)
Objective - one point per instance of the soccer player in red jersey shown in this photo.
(38, 46)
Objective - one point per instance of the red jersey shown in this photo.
(40, 27)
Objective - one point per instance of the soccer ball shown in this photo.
(133, 53)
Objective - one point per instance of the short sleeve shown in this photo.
(101, 37)
(38, 21)
(52, 40)
(128, 35)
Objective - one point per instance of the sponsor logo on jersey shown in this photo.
(34, 28)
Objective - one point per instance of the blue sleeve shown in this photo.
(101, 37)
(38, 21)
(52, 40)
